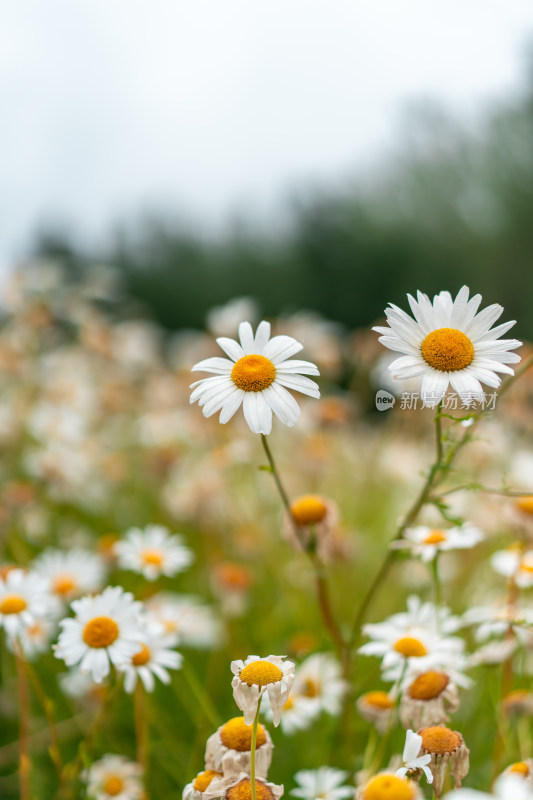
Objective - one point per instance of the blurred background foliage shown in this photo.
(452, 205)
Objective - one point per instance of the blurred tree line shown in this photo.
(454, 205)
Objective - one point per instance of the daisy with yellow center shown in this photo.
(449, 343)
(254, 677)
(430, 697)
(317, 518)
(24, 600)
(106, 629)
(196, 788)
(152, 660)
(427, 542)
(187, 617)
(515, 564)
(324, 783)
(71, 573)
(447, 749)
(257, 375)
(376, 707)
(228, 749)
(239, 787)
(115, 777)
(153, 552)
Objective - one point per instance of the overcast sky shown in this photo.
(112, 106)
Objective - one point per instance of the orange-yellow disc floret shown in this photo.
(439, 740)
(253, 373)
(202, 781)
(261, 673)
(428, 685)
(243, 791)
(388, 787)
(100, 632)
(236, 735)
(309, 509)
(447, 350)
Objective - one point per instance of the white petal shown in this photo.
(231, 405)
(257, 413)
(483, 321)
(222, 366)
(247, 338)
(282, 404)
(231, 347)
(465, 384)
(294, 365)
(262, 335)
(434, 387)
(281, 347)
(299, 384)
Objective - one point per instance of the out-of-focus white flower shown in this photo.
(228, 749)
(70, 573)
(24, 599)
(323, 783)
(428, 542)
(449, 343)
(376, 707)
(106, 629)
(152, 661)
(256, 375)
(186, 616)
(515, 564)
(153, 552)
(115, 778)
(411, 760)
(35, 639)
(296, 715)
(254, 677)
(318, 680)
(507, 787)
(224, 320)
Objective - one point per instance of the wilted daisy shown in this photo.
(23, 600)
(254, 677)
(447, 749)
(106, 629)
(428, 542)
(448, 342)
(257, 375)
(153, 660)
(153, 552)
(240, 788)
(429, 698)
(228, 749)
(411, 760)
(115, 778)
(324, 783)
(376, 707)
(70, 573)
(196, 788)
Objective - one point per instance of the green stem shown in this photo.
(201, 695)
(252, 749)
(141, 729)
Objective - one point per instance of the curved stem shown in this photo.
(252, 749)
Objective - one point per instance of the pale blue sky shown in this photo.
(111, 106)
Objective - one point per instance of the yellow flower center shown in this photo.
(202, 781)
(410, 647)
(12, 604)
(388, 787)
(152, 557)
(113, 785)
(308, 509)
(238, 736)
(435, 537)
(447, 350)
(438, 739)
(520, 767)
(142, 657)
(288, 705)
(428, 685)
(377, 699)
(253, 373)
(63, 584)
(100, 632)
(243, 791)
(525, 504)
(526, 565)
(261, 673)
(170, 625)
(310, 688)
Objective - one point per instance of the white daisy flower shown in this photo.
(411, 760)
(36, 638)
(506, 787)
(153, 552)
(228, 749)
(153, 660)
(23, 600)
(515, 564)
(448, 342)
(254, 677)
(429, 542)
(323, 783)
(115, 778)
(257, 375)
(106, 629)
(318, 680)
(188, 617)
(70, 573)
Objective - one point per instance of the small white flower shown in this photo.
(515, 564)
(428, 542)
(193, 622)
(322, 784)
(507, 787)
(256, 375)
(153, 660)
(23, 600)
(411, 761)
(448, 342)
(115, 778)
(70, 573)
(106, 629)
(318, 680)
(153, 552)
(297, 714)
(254, 677)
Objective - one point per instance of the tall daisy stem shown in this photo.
(252, 749)
(438, 588)
(141, 728)
(321, 584)
(24, 718)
